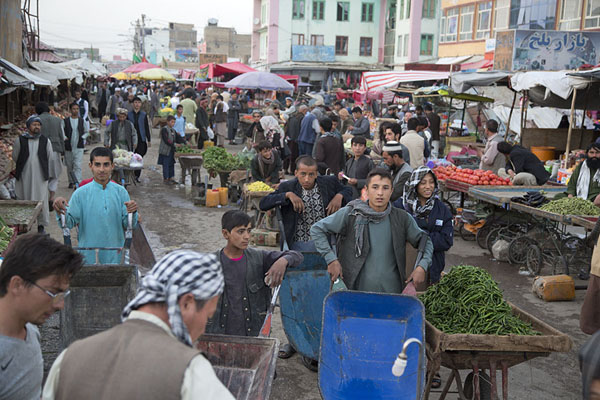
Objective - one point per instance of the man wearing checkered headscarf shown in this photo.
(149, 355)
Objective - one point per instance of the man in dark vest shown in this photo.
(102, 97)
(372, 256)
(52, 128)
(139, 119)
(32, 153)
(121, 133)
(150, 355)
(75, 132)
(84, 107)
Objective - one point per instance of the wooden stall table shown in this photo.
(21, 215)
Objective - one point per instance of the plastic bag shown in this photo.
(210, 133)
(136, 161)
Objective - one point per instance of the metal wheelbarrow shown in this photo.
(365, 347)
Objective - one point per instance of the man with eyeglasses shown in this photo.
(34, 280)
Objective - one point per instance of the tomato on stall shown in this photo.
(473, 177)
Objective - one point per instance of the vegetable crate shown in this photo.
(488, 352)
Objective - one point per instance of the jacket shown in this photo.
(523, 160)
(593, 189)
(272, 169)
(400, 176)
(292, 128)
(69, 133)
(364, 165)
(499, 160)
(307, 133)
(113, 130)
(416, 148)
(438, 224)
(329, 154)
(362, 127)
(52, 128)
(329, 186)
(24, 156)
(168, 138)
(434, 124)
(142, 126)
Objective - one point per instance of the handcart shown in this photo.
(477, 353)
(125, 175)
(364, 336)
(21, 215)
(251, 200)
(192, 164)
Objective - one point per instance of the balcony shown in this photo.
(313, 53)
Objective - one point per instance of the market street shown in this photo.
(172, 221)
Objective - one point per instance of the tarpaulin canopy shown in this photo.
(53, 72)
(86, 66)
(21, 73)
(235, 67)
(463, 81)
(558, 82)
(390, 79)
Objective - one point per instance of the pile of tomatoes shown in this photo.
(470, 176)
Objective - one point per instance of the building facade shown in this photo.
(223, 40)
(177, 43)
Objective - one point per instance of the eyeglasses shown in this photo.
(56, 297)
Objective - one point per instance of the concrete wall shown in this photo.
(415, 26)
(11, 30)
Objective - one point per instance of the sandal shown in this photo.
(311, 364)
(286, 351)
(436, 381)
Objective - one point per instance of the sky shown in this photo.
(107, 24)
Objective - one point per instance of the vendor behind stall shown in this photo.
(491, 159)
(585, 180)
(267, 164)
(522, 166)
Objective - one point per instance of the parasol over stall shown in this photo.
(155, 74)
(260, 80)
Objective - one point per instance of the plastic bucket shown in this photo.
(544, 153)
(208, 143)
(212, 198)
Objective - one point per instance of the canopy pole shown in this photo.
(510, 115)
(568, 150)
(463, 115)
(521, 125)
(587, 92)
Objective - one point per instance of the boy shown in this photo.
(180, 122)
(358, 167)
(248, 274)
(267, 164)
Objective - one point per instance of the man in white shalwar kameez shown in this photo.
(32, 153)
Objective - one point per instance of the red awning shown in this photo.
(477, 65)
(235, 67)
(204, 85)
(293, 79)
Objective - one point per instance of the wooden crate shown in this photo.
(264, 237)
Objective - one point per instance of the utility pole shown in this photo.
(143, 32)
(136, 39)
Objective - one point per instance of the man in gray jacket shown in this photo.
(52, 128)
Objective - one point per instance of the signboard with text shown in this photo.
(313, 53)
(204, 58)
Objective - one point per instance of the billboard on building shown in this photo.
(313, 53)
(205, 58)
(186, 55)
(527, 50)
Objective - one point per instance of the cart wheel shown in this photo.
(450, 206)
(465, 234)
(481, 235)
(576, 252)
(517, 250)
(491, 238)
(534, 259)
(485, 386)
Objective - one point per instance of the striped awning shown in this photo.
(391, 79)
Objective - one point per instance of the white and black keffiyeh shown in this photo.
(410, 198)
(583, 182)
(178, 273)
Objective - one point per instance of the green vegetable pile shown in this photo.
(185, 149)
(467, 300)
(6, 234)
(571, 206)
(218, 159)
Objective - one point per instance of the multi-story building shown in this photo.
(323, 41)
(157, 45)
(178, 42)
(221, 40)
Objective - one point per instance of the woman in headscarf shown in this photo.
(273, 132)
(421, 200)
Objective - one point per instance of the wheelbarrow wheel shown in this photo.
(465, 234)
(481, 235)
(534, 259)
(491, 238)
(310, 364)
(485, 386)
(517, 250)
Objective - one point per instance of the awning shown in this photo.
(477, 65)
(28, 76)
(391, 79)
(463, 81)
(453, 60)
(235, 67)
(86, 66)
(465, 96)
(293, 79)
(561, 83)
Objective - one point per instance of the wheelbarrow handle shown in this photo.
(283, 245)
(66, 231)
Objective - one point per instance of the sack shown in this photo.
(210, 133)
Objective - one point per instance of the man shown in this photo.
(589, 362)
(414, 143)
(121, 133)
(189, 111)
(358, 167)
(372, 256)
(114, 103)
(150, 355)
(233, 117)
(102, 97)
(100, 210)
(32, 153)
(361, 126)
(154, 102)
(400, 169)
(305, 200)
(266, 165)
(52, 128)
(290, 108)
(255, 132)
(328, 151)
(292, 132)
(34, 280)
(393, 133)
(309, 130)
(84, 107)
(407, 116)
(201, 121)
(392, 112)
(179, 121)
(522, 166)
(76, 133)
(128, 104)
(585, 180)
(139, 119)
(337, 106)
(434, 126)
(221, 121)
(491, 159)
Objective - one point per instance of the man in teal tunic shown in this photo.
(99, 210)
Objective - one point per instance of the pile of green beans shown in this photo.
(468, 301)
(571, 206)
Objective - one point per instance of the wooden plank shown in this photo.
(501, 195)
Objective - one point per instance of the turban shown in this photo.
(178, 273)
(122, 111)
(392, 147)
(32, 119)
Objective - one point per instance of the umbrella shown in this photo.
(139, 67)
(123, 76)
(260, 80)
(156, 74)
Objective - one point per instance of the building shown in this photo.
(327, 43)
(157, 43)
(222, 40)
(469, 27)
(183, 42)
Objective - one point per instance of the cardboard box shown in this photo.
(263, 237)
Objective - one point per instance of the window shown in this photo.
(592, 14)
(366, 46)
(297, 39)
(264, 40)
(466, 23)
(533, 14)
(391, 18)
(449, 25)
(341, 45)
(318, 9)
(263, 13)
(570, 15)
(408, 8)
(501, 15)
(484, 18)
(298, 9)
(426, 45)
(366, 13)
(343, 10)
(399, 49)
(405, 45)
(428, 8)
(317, 40)
(401, 16)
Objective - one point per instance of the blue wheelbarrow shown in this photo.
(366, 350)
